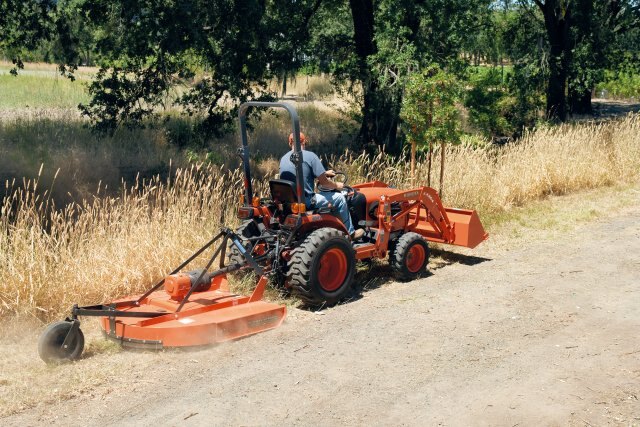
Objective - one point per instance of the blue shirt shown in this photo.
(311, 169)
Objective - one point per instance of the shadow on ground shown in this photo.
(371, 275)
(606, 108)
(443, 258)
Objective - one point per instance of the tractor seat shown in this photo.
(283, 191)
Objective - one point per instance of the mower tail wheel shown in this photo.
(321, 268)
(409, 256)
(50, 343)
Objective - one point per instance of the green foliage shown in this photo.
(23, 24)
(621, 84)
(429, 108)
(490, 105)
(370, 47)
(207, 56)
(148, 47)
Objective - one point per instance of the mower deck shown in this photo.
(209, 317)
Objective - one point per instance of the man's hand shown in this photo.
(330, 173)
(325, 182)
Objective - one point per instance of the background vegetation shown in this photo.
(205, 57)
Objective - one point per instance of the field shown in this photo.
(535, 326)
(103, 247)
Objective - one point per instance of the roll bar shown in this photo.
(296, 157)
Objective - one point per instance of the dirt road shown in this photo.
(526, 333)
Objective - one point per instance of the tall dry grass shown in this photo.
(111, 246)
(92, 251)
(546, 161)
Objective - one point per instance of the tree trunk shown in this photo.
(557, 21)
(284, 84)
(381, 108)
(429, 157)
(579, 95)
(580, 102)
(362, 15)
(413, 162)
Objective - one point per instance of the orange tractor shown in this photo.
(306, 251)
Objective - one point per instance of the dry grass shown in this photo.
(310, 88)
(546, 161)
(90, 251)
(111, 246)
(26, 382)
(60, 138)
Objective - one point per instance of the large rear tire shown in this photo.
(320, 271)
(246, 230)
(409, 256)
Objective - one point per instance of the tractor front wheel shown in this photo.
(321, 268)
(409, 256)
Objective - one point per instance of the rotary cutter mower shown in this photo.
(194, 308)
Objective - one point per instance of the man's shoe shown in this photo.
(357, 235)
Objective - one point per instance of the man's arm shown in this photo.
(323, 175)
(325, 182)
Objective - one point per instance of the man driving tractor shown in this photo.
(331, 193)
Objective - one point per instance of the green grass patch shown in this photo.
(40, 91)
(561, 214)
(482, 72)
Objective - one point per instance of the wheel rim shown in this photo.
(56, 345)
(333, 269)
(415, 258)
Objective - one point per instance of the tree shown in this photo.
(580, 38)
(220, 51)
(557, 16)
(388, 39)
(150, 46)
(430, 115)
(289, 45)
(600, 38)
(23, 25)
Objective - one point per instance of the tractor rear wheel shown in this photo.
(409, 256)
(246, 230)
(321, 268)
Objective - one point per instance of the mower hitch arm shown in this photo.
(191, 258)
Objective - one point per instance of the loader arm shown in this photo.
(435, 213)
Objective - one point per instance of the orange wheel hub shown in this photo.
(333, 269)
(415, 258)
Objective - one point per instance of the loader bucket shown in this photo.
(209, 317)
(467, 228)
